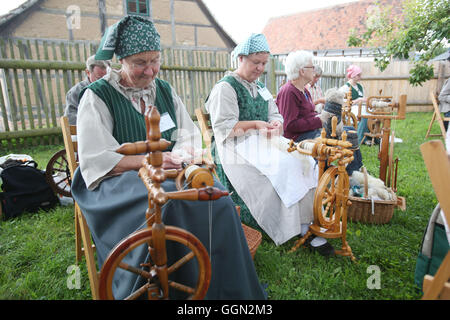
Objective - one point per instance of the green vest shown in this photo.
(355, 93)
(249, 108)
(132, 123)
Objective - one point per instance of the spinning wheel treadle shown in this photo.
(57, 174)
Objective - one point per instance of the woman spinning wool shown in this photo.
(247, 129)
(107, 187)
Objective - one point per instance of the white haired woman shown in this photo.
(240, 107)
(294, 101)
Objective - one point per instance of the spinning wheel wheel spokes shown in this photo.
(152, 286)
(325, 199)
(57, 174)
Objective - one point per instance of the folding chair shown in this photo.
(438, 166)
(81, 227)
(436, 117)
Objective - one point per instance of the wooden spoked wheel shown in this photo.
(349, 119)
(57, 174)
(326, 202)
(151, 288)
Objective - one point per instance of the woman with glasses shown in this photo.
(295, 102)
(246, 122)
(108, 189)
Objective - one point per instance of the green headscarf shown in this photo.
(130, 35)
(255, 43)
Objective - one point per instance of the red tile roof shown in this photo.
(320, 29)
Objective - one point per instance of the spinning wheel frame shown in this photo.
(152, 288)
(156, 234)
(58, 164)
(327, 194)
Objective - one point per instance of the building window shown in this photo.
(138, 7)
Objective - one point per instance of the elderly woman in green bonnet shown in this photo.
(240, 105)
(107, 188)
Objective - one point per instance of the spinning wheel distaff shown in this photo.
(331, 196)
(156, 271)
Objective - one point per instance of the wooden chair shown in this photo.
(205, 128)
(436, 117)
(82, 232)
(438, 166)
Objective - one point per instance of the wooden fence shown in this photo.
(35, 75)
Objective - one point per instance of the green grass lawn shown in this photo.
(37, 251)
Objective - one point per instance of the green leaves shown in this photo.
(423, 28)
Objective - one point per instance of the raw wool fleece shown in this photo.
(376, 188)
(334, 96)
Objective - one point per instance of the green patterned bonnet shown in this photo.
(255, 43)
(130, 35)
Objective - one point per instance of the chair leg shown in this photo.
(78, 246)
(430, 125)
(89, 254)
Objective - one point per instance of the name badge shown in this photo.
(166, 122)
(265, 93)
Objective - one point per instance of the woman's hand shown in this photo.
(171, 161)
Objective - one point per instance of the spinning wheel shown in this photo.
(152, 284)
(348, 118)
(155, 271)
(331, 196)
(57, 174)
(327, 200)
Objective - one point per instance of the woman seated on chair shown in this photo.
(294, 101)
(244, 119)
(106, 186)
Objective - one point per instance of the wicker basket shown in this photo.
(253, 236)
(371, 211)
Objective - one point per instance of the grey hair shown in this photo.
(317, 70)
(295, 61)
(91, 63)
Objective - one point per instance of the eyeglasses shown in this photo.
(143, 65)
(312, 67)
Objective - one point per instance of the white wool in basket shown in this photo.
(376, 187)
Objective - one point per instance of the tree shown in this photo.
(419, 34)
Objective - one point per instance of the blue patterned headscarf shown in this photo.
(130, 35)
(255, 43)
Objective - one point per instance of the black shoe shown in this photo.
(325, 250)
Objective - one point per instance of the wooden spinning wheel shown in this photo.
(327, 203)
(57, 174)
(348, 118)
(331, 196)
(156, 270)
(153, 285)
